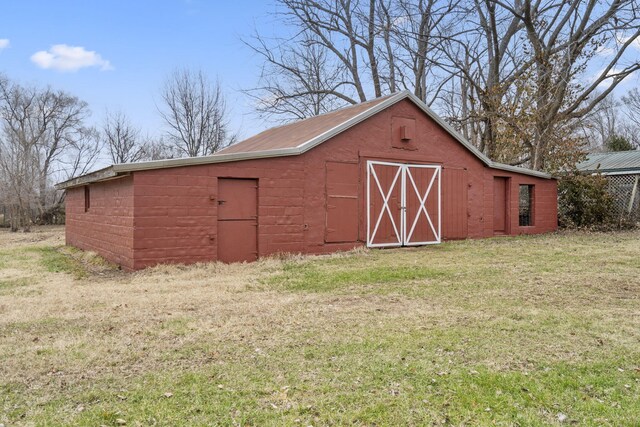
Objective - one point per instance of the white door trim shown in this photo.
(423, 209)
(404, 234)
(385, 204)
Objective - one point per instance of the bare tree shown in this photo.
(77, 159)
(565, 37)
(347, 30)
(511, 75)
(121, 138)
(631, 102)
(486, 57)
(126, 144)
(61, 118)
(18, 179)
(41, 129)
(602, 123)
(81, 156)
(296, 81)
(345, 52)
(20, 135)
(194, 109)
(415, 29)
(159, 149)
(525, 90)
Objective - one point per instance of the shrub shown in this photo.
(618, 143)
(584, 202)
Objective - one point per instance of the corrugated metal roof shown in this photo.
(294, 139)
(619, 161)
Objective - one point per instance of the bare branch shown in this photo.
(194, 110)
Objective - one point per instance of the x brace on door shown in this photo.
(423, 192)
(385, 203)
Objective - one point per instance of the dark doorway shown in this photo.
(237, 219)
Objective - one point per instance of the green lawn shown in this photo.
(522, 331)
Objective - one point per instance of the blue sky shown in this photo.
(135, 44)
(132, 45)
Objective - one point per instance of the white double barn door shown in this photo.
(403, 204)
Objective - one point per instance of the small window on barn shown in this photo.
(87, 198)
(525, 205)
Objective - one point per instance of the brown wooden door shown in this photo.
(384, 199)
(341, 202)
(422, 187)
(455, 203)
(237, 219)
(403, 204)
(499, 205)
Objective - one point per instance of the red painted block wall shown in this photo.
(107, 226)
(170, 215)
(176, 210)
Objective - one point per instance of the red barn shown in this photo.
(383, 173)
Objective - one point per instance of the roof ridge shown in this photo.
(347, 107)
(377, 105)
(609, 153)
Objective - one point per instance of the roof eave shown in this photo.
(517, 169)
(215, 158)
(407, 94)
(622, 171)
(99, 175)
(359, 118)
(302, 148)
(122, 169)
(462, 140)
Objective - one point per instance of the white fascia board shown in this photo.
(517, 169)
(446, 126)
(205, 160)
(125, 168)
(461, 139)
(99, 175)
(407, 94)
(306, 146)
(317, 140)
(614, 172)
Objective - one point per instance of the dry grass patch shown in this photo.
(529, 331)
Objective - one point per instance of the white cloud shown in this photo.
(620, 40)
(4, 43)
(605, 51)
(606, 81)
(62, 57)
